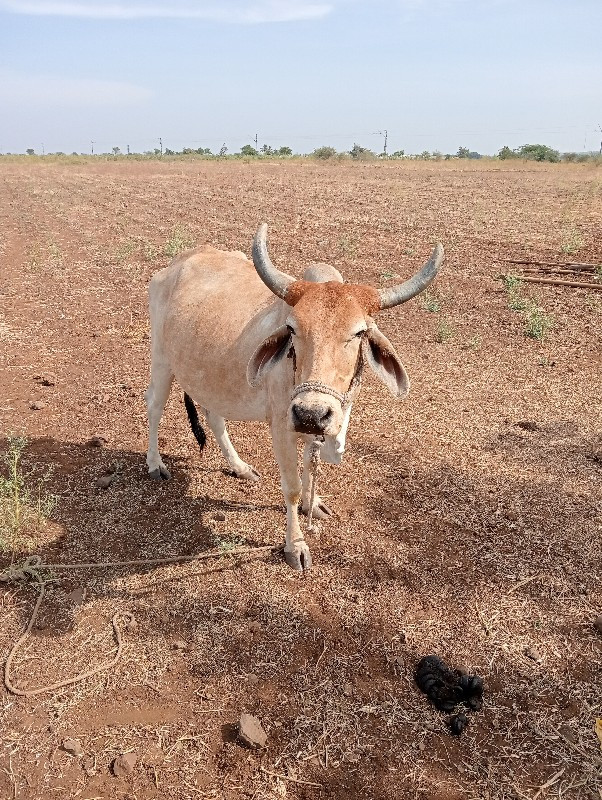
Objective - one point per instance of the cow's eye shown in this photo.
(291, 330)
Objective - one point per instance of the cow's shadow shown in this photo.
(65, 517)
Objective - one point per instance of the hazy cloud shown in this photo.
(237, 11)
(45, 90)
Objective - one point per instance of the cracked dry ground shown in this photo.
(458, 531)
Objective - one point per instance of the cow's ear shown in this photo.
(380, 354)
(269, 353)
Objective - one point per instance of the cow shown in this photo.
(246, 341)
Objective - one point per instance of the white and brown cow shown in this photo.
(247, 342)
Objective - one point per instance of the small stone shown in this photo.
(254, 628)
(132, 626)
(250, 731)
(89, 766)
(73, 747)
(252, 679)
(598, 624)
(527, 425)
(180, 644)
(97, 441)
(77, 596)
(105, 481)
(37, 405)
(348, 689)
(124, 764)
(219, 516)
(532, 653)
(422, 747)
(47, 379)
(568, 733)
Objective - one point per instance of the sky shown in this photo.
(435, 74)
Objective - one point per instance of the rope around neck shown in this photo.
(314, 469)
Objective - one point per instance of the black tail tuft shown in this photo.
(193, 418)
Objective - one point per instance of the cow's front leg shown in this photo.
(296, 551)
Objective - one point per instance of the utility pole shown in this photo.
(256, 137)
(385, 133)
(128, 147)
(600, 129)
(92, 143)
(43, 152)
(161, 145)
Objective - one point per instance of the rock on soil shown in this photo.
(250, 731)
(97, 441)
(124, 764)
(105, 481)
(73, 747)
(37, 405)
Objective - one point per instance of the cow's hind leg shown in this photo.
(156, 397)
(321, 510)
(296, 550)
(239, 467)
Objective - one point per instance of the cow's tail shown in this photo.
(193, 418)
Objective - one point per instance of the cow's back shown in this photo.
(209, 311)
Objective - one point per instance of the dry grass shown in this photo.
(458, 531)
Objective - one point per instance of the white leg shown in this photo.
(239, 467)
(321, 510)
(296, 551)
(156, 397)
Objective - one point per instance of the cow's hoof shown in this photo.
(321, 510)
(247, 473)
(299, 558)
(161, 473)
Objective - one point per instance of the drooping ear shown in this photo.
(269, 353)
(380, 354)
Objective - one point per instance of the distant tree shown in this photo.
(463, 152)
(506, 153)
(474, 154)
(437, 155)
(223, 150)
(117, 151)
(30, 151)
(425, 155)
(284, 151)
(360, 153)
(204, 151)
(74, 153)
(398, 154)
(266, 150)
(539, 152)
(249, 151)
(324, 153)
(570, 157)
(167, 152)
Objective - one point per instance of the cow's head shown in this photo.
(330, 333)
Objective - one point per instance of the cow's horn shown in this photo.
(275, 280)
(405, 291)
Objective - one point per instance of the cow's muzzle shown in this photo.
(314, 419)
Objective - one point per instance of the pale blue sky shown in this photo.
(437, 74)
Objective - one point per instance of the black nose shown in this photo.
(312, 419)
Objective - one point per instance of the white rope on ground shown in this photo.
(32, 568)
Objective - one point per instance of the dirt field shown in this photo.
(468, 518)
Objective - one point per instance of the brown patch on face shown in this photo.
(367, 297)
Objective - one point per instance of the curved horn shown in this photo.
(275, 280)
(405, 291)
